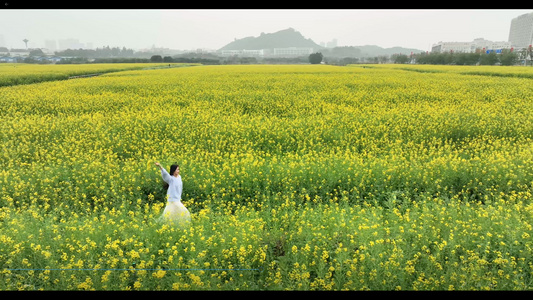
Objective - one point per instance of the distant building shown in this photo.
(70, 44)
(462, 47)
(7, 59)
(54, 59)
(521, 32)
(50, 45)
(243, 53)
(479, 44)
(278, 52)
(292, 51)
(490, 45)
(330, 44)
(19, 52)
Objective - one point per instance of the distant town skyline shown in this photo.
(187, 29)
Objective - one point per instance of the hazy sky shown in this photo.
(187, 29)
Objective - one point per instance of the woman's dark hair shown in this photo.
(173, 169)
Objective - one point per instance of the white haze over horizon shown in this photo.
(190, 29)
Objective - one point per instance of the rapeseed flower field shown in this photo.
(297, 177)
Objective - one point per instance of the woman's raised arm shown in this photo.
(164, 173)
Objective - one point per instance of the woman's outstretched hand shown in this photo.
(158, 164)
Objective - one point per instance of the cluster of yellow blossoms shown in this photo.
(388, 177)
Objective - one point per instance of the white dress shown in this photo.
(175, 211)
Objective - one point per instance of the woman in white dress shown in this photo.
(175, 211)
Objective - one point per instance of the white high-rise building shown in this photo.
(70, 43)
(332, 43)
(521, 32)
(50, 45)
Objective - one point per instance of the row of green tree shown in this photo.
(206, 60)
(506, 58)
(118, 55)
(104, 52)
(210, 59)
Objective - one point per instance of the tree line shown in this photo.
(506, 58)
(104, 52)
(337, 56)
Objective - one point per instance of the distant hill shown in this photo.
(292, 38)
(281, 39)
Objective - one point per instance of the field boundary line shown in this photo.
(133, 269)
(85, 75)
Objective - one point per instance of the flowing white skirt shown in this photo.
(176, 212)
